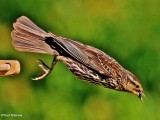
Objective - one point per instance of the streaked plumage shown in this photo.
(84, 61)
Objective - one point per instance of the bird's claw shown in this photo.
(45, 68)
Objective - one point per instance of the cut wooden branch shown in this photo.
(5, 67)
(9, 67)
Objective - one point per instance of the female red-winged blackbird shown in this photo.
(84, 61)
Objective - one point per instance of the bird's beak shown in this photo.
(141, 95)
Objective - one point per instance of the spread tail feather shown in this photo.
(28, 37)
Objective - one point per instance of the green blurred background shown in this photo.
(127, 30)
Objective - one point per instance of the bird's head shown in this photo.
(134, 86)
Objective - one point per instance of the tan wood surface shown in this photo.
(9, 67)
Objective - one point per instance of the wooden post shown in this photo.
(9, 67)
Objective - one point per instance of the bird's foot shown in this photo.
(45, 68)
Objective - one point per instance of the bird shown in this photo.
(84, 61)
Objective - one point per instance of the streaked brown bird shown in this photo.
(84, 61)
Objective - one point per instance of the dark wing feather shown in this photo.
(75, 51)
(89, 56)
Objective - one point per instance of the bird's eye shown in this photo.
(137, 86)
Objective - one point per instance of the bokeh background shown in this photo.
(127, 30)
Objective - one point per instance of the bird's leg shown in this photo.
(45, 68)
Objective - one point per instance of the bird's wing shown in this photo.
(89, 56)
